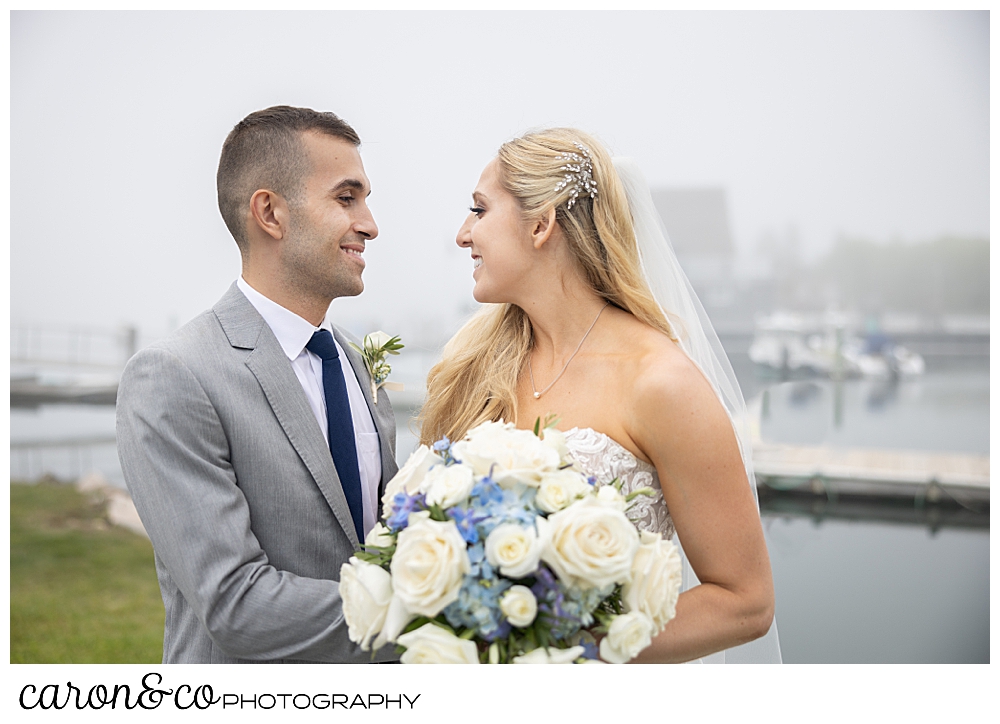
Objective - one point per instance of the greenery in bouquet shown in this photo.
(498, 549)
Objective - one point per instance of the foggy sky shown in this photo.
(868, 124)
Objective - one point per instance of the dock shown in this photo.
(864, 472)
(30, 393)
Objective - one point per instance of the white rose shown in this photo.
(447, 486)
(519, 605)
(429, 564)
(557, 441)
(365, 590)
(396, 619)
(589, 544)
(559, 489)
(431, 644)
(378, 339)
(514, 549)
(628, 634)
(379, 537)
(513, 455)
(409, 477)
(656, 580)
(611, 498)
(550, 656)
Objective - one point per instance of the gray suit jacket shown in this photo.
(235, 484)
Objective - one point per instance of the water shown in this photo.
(863, 590)
(941, 411)
(65, 441)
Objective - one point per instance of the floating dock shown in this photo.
(866, 472)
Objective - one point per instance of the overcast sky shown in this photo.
(859, 123)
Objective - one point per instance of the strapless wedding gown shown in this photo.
(606, 460)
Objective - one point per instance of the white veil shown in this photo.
(676, 297)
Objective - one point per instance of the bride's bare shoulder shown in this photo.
(650, 355)
(663, 381)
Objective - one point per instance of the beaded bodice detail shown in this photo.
(600, 456)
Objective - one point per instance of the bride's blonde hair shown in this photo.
(476, 379)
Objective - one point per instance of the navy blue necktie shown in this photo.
(340, 427)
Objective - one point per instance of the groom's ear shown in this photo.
(269, 213)
(543, 228)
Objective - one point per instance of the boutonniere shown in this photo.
(377, 346)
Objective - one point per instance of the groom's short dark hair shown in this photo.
(265, 150)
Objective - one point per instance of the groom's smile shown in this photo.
(331, 221)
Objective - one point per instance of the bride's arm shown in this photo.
(680, 424)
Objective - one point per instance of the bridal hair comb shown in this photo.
(579, 175)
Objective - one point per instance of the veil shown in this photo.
(676, 297)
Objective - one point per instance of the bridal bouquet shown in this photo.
(496, 549)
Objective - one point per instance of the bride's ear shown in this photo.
(543, 228)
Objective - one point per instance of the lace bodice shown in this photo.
(605, 459)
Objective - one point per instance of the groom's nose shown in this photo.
(365, 223)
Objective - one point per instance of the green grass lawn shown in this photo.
(81, 591)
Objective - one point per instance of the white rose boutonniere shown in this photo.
(376, 346)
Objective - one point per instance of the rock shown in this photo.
(120, 508)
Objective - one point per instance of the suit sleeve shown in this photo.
(175, 457)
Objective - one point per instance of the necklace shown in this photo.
(532, 375)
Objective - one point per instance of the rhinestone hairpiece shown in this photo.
(579, 175)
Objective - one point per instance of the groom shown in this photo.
(253, 450)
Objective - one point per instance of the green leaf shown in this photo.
(639, 491)
(538, 422)
(437, 513)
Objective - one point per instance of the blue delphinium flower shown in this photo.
(443, 448)
(567, 609)
(478, 607)
(467, 520)
(402, 506)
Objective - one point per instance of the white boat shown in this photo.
(793, 344)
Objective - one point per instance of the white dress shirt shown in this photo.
(293, 333)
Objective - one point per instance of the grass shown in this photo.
(81, 591)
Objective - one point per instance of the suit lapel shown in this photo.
(381, 413)
(269, 364)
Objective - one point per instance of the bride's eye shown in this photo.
(476, 210)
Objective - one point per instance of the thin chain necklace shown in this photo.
(532, 375)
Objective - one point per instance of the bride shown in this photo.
(587, 316)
